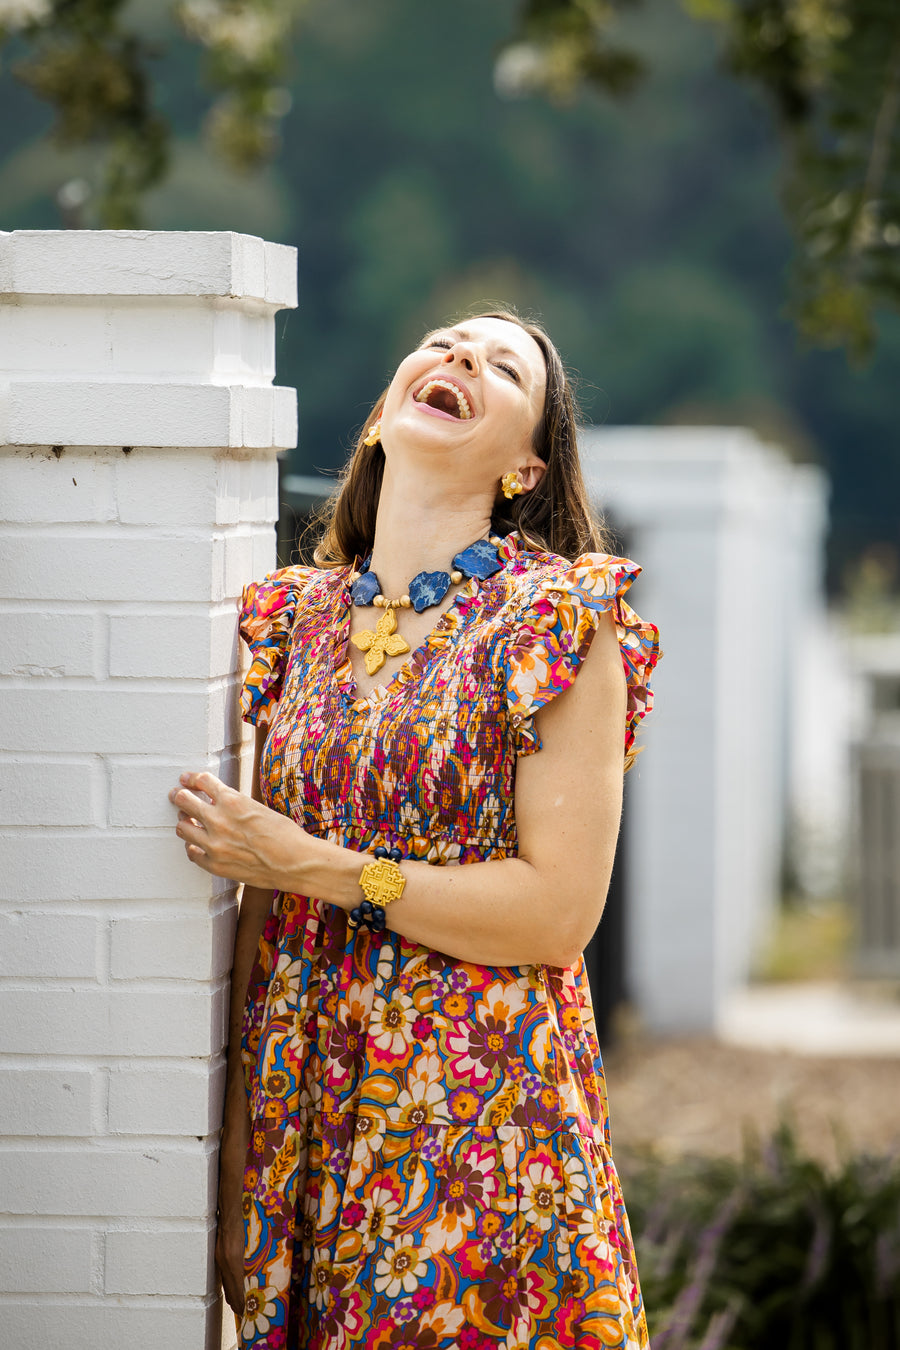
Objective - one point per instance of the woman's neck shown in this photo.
(421, 530)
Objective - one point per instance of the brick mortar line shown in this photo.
(128, 609)
(115, 1223)
(122, 684)
(91, 1063)
(129, 984)
(136, 1302)
(211, 532)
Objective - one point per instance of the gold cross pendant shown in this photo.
(385, 641)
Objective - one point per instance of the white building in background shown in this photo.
(746, 747)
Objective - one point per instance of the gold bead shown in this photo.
(496, 540)
(405, 601)
(456, 578)
(354, 576)
(379, 601)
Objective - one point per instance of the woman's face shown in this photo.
(474, 392)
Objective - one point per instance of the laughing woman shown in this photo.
(416, 1150)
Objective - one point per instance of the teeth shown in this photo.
(464, 410)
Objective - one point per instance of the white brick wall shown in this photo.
(119, 667)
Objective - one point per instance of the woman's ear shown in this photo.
(532, 473)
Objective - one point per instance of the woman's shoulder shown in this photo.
(277, 596)
(269, 611)
(592, 580)
(561, 604)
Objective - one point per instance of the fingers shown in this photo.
(196, 855)
(190, 830)
(203, 782)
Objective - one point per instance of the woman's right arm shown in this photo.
(255, 907)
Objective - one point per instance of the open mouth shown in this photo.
(445, 397)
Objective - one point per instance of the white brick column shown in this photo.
(138, 437)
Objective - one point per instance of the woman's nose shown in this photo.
(464, 354)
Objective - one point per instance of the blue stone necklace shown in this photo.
(425, 590)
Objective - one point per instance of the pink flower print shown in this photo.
(354, 1214)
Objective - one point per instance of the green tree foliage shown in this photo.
(94, 72)
(832, 68)
(832, 71)
(88, 60)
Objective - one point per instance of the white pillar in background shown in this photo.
(731, 578)
(139, 429)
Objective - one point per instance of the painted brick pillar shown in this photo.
(139, 429)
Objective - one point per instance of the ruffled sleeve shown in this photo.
(554, 634)
(268, 609)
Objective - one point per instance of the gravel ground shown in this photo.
(697, 1095)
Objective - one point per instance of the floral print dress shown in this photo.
(429, 1166)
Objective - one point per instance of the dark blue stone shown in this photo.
(377, 922)
(364, 589)
(366, 909)
(355, 918)
(381, 851)
(478, 560)
(395, 855)
(427, 589)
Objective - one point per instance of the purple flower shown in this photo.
(403, 1310)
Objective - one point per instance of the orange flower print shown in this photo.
(464, 1105)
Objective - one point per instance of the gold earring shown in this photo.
(374, 435)
(511, 485)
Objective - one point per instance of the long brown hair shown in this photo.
(554, 517)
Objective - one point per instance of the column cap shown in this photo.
(148, 263)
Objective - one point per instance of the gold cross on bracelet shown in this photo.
(382, 882)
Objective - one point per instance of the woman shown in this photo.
(416, 1153)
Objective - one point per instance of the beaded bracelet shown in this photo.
(382, 882)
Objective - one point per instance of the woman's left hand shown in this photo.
(231, 835)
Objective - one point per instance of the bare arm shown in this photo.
(539, 908)
(255, 906)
